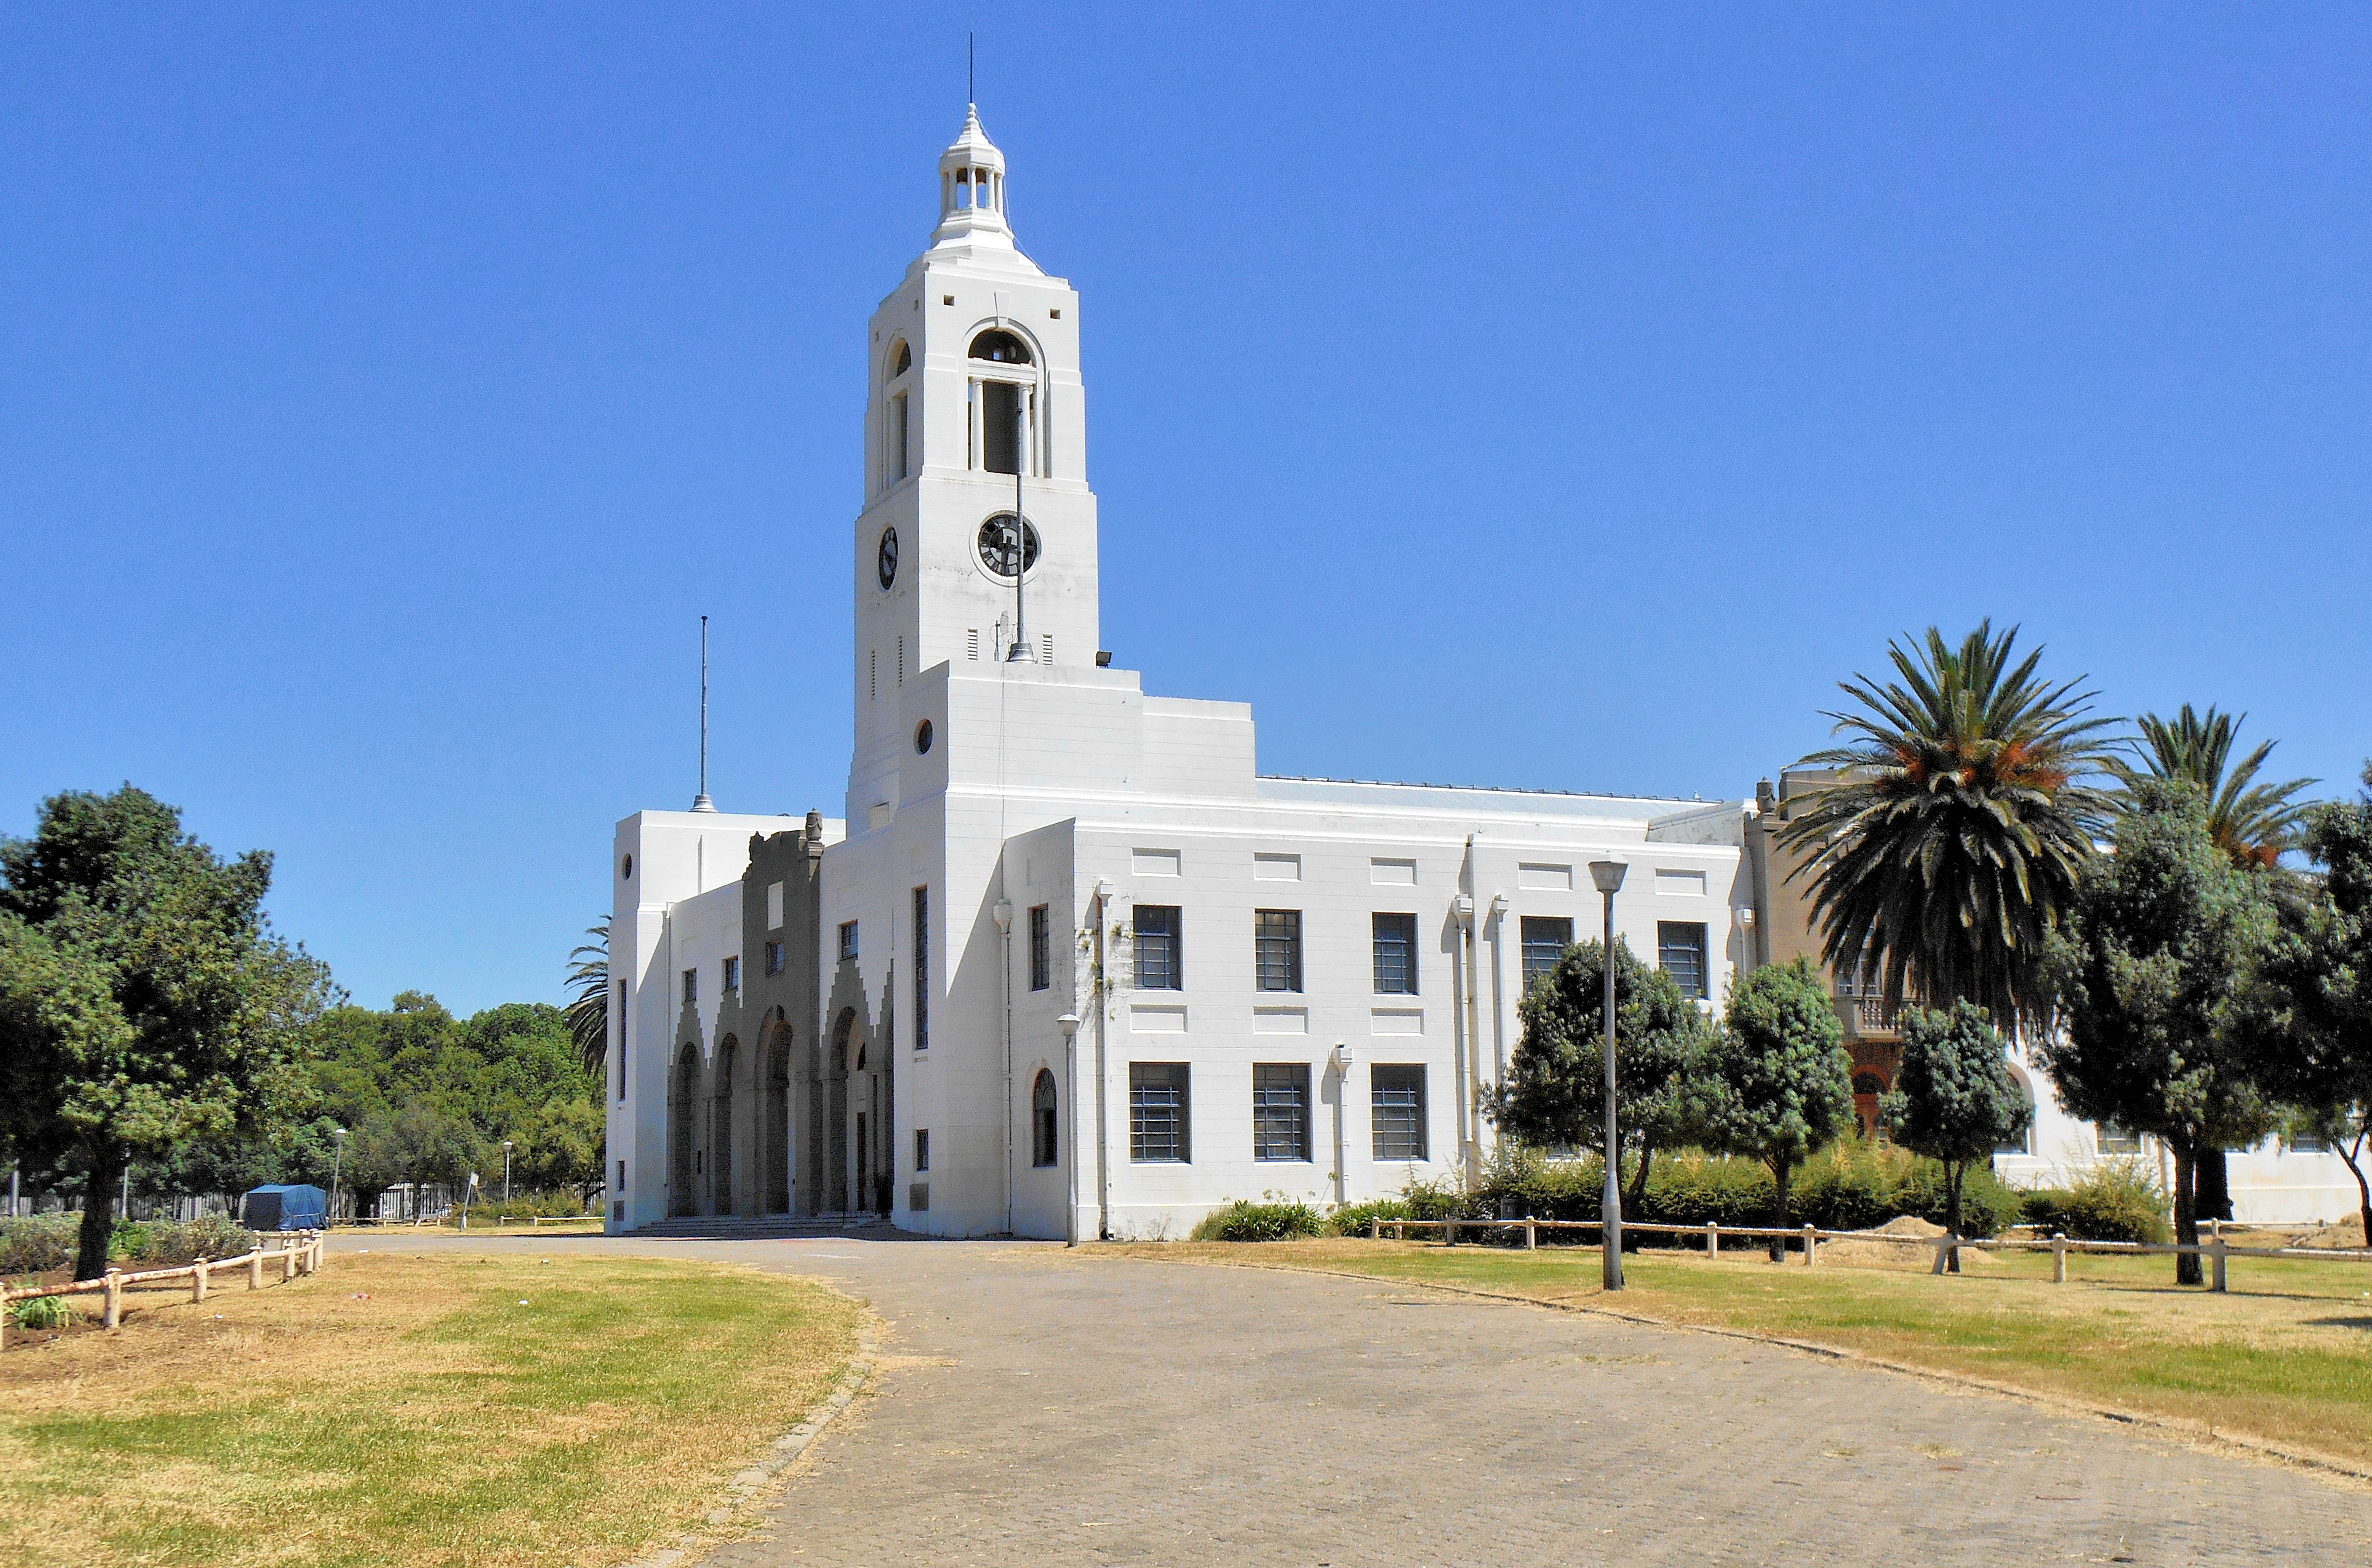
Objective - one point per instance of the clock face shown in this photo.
(886, 562)
(996, 544)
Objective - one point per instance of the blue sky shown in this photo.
(1554, 396)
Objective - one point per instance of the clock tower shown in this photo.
(975, 414)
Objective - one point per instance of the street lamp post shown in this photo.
(337, 1166)
(1608, 874)
(506, 1173)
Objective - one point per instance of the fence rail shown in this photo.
(2216, 1249)
(299, 1252)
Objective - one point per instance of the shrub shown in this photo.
(163, 1243)
(39, 1312)
(1247, 1221)
(2114, 1201)
(1352, 1219)
(32, 1244)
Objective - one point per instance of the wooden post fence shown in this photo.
(298, 1256)
(2059, 1257)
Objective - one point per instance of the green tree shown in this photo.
(1781, 1085)
(2155, 969)
(1556, 1092)
(1954, 1099)
(588, 1002)
(1960, 822)
(2254, 823)
(2315, 988)
(144, 1001)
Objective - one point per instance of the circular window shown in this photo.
(922, 737)
(626, 869)
(884, 560)
(996, 544)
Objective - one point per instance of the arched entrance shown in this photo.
(839, 1062)
(774, 1138)
(729, 1055)
(683, 1132)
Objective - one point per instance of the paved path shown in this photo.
(1043, 1408)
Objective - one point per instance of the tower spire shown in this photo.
(972, 186)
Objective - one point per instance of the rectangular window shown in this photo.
(1160, 948)
(2307, 1144)
(848, 938)
(1000, 428)
(1158, 1112)
(1281, 1110)
(921, 969)
(773, 906)
(2115, 1140)
(1276, 949)
(773, 958)
(733, 975)
(621, 1178)
(622, 1043)
(898, 458)
(1399, 1114)
(922, 1150)
(1545, 939)
(1042, 949)
(1395, 955)
(1680, 952)
(691, 987)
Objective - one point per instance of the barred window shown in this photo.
(1281, 1110)
(1160, 948)
(1681, 951)
(1398, 1113)
(1043, 1149)
(1041, 949)
(691, 987)
(921, 969)
(1545, 939)
(1395, 955)
(1157, 1107)
(1276, 949)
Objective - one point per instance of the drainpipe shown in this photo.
(1469, 1154)
(1003, 914)
(1102, 996)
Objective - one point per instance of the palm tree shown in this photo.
(588, 1009)
(1951, 839)
(2254, 823)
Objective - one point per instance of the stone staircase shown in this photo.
(771, 1227)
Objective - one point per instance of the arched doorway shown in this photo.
(683, 1132)
(1046, 1147)
(839, 1063)
(774, 1139)
(729, 1055)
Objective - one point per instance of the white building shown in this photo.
(1286, 986)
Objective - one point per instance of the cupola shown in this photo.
(971, 184)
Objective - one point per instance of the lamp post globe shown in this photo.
(1608, 874)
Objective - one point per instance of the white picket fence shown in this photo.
(2215, 1249)
(299, 1252)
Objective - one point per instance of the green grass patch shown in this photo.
(2285, 1356)
(424, 1411)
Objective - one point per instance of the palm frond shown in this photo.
(588, 1008)
(1963, 813)
(2253, 823)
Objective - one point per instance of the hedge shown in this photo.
(1246, 1221)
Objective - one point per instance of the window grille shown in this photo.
(922, 1150)
(1157, 1107)
(732, 974)
(1395, 940)
(1681, 951)
(1042, 949)
(1398, 1092)
(921, 969)
(1276, 949)
(1043, 1150)
(1160, 948)
(971, 641)
(1545, 938)
(1281, 1110)
(691, 987)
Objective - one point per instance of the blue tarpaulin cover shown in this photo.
(286, 1208)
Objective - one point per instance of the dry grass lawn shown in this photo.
(2285, 1356)
(421, 1410)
